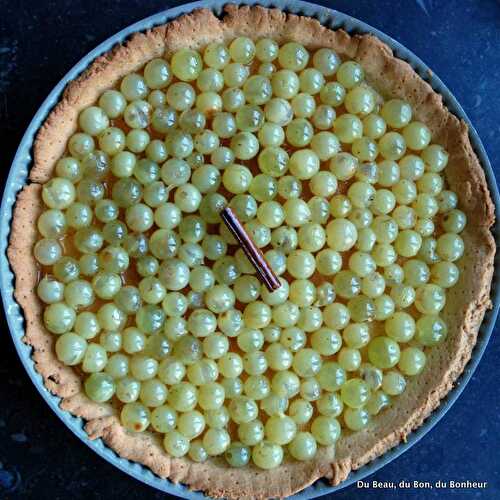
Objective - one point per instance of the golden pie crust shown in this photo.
(466, 302)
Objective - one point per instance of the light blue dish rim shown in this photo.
(18, 177)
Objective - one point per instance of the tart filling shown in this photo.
(342, 185)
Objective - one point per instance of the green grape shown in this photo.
(341, 235)
(58, 318)
(157, 73)
(392, 146)
(257, 89)
(274, 404)
(310, 390)
(383, 352)
(80, 144)
(301, 411)
(303, 105)
(278, 357)
(431, 330)
(397, 113)
(237, 455)
(356, 335)
(163, 419)
(251, 433)
(349, 359)
(355, 393)
(323, 184)
(326, 430)
(197, 452)
(360, 100)
(393, 383)
(285, 84)
(331, 377)
(175, 444)
(302, 292)
(277, 260)
(412, 361)
(356, 419)
(310, 319)
(336, 316)
(289, 187)
(435, 157)
(211, 396)
(267, 455)
(171, 371)
(280, 429)
(306, 362)
(400, 327)
(445, 274)
(278, 112)
(323, 117)
(127, 389)
(93, 120)
(374, 126)
(135, 417)
(112, 342)
(311, 237)
(378, 402)
(70, 348)
(157, 98)
(403, 296)
(347, 284)
(325, 294)
(263, 187)
(233, 387)
(373, 285)
(285, 383)
(137, 140)
(326, 341)
(47, 251)
(153, 393)
(450, 247)
(182, 396)
(202, 372)
(408, 243)
(330, 405)
(49, 290)
(250, 340)
(230, 322)
(304, 164)
(293, 56)
(242, 409)
(332, 94)
(311, 81)
(99, 387)
(326, 61)
(417, 135)
(320, 210)
(430, 299)
(299, 132)
(218, 418)
(257, 387)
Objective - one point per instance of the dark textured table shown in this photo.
(39, 41)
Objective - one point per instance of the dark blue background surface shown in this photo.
(459, 40)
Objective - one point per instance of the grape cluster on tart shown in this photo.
(346, 169)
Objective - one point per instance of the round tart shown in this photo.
(145, 317)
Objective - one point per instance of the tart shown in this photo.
(400, 293)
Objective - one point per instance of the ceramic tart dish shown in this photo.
(144, 324)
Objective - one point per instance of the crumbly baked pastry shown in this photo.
(465, 305)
